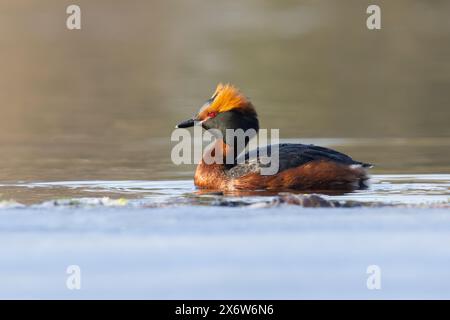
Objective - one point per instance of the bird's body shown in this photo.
(300, 166)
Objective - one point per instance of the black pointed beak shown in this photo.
(186, 124)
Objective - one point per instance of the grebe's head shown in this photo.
(228, 108)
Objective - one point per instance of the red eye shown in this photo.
(212, 114)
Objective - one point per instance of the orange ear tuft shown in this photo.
(228, 97)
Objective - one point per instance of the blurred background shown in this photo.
(101, 102)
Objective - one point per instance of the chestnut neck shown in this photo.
(224, 151)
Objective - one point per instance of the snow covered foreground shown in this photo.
(285, 252)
